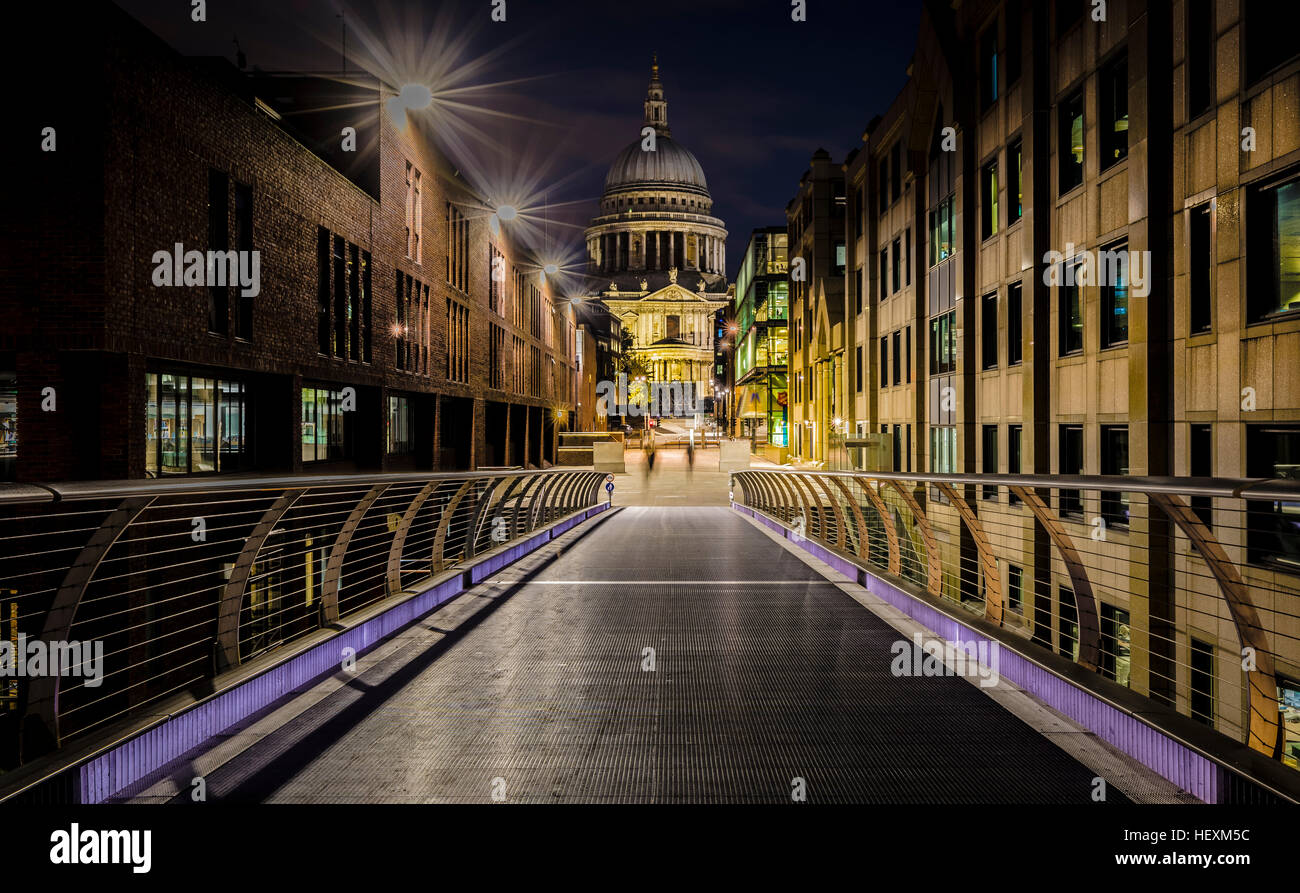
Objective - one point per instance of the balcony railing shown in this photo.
(182, 582)
(1186, 591)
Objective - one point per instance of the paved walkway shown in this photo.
(668, 655)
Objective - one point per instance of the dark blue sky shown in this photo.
(751, 92)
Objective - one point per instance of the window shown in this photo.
(907, 354)
(1273, 538)
(907, 257)
(857, 297)
(8, 425)
(496, 278)
(1116, 644)
(1273, 249)
(859, 210)
(496, 356)
(1015, 45)
(413, 330)
(907, 445)
(341, 327)
(1201, 700)
(1015, 588)
(1069, 145)
(326, 428)
(884, 273)
(414, 214)
(1114, 461)
(323, 291)
(1067, 13)
(244, 244)
(1015, 163)
(884, 361)
(898, 358)
(881, 186)
(218, 240)
(989, 331)
(1200, 56)
(457, 341)
(1114, 111)
(897, 449)
(1014, 337)
(941, 243)
(194, 424)
(1114, 273)
(896, 171)
(989, 199)
(1014, 436)
(989, 67)
(1201, 465)
(943, 343)
(943, 449)
(1200, 266)
(1071, 462)
(457, 249)
(858, 369)
(1269, 43)
(1070, 335)
(989, 463)
(1068, 625)
(399, 436)
(897, 267)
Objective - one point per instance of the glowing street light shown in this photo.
(506, 213)
(415, 96)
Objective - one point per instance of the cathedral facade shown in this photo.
(660, 252)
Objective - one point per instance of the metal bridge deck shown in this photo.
(764, 672)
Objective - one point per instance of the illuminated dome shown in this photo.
(669, 166)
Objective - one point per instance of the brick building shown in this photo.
(375, 337)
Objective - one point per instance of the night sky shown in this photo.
(752, 93)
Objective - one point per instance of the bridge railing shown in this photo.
(1184, 590)
(148, 589)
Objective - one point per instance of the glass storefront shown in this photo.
(194, 424)
(8, 426)
(399, 426)
(325, 428)
(1288, 703)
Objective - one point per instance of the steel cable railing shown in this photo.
(1184, 590)
(153, 588)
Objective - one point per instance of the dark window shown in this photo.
(1202, 682)
(989, 199)
(1114, 461)
(218, 240)
(1014, 434)
(1201, 462)
(896, 172)
(858, 295)
(907, 257)
(1070, 338)
(1071, 462)
(884, 361)
(907, 445)
(989, 331)
(1114, 273)
(1200, 250)
(1068, 12)
(1200, 56)
(1273, 538)
(323, 291)
(898, 358)
(1270, 41)
(897, 258)
(244, 244)
(990, 458)
(989, 67)
(1014, 350)
(1068, 625)
(1116, 643)
(898, 448)
(858, 369)
(1273, 246)
(340, 300)
(884, 273)
(1016, 183)
(1015, 588)
(1114, 111)
(907, 354)
(1015, 44)
(1069, 145)
(943, 343)
(354, 303)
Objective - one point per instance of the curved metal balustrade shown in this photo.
(181, 581)
(1184, 590)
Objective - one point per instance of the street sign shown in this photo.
(609, 478)
(609, 487)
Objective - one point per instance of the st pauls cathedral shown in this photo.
(660, 251)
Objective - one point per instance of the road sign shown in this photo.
(609, 478)
(609, 487)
